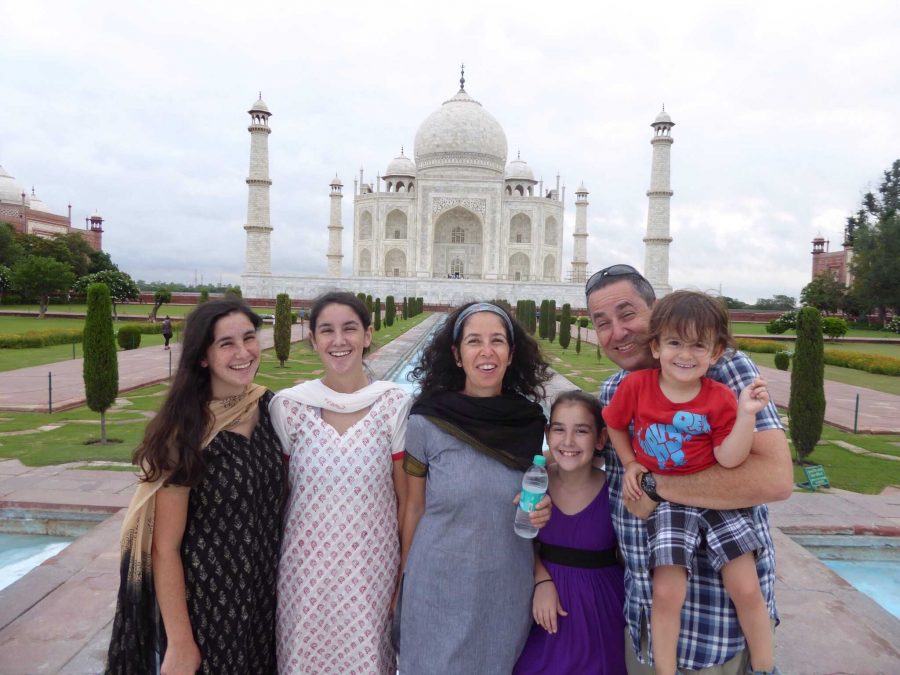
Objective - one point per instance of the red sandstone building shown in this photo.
(835, 263)
(29, 215)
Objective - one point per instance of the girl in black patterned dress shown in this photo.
(201, 538)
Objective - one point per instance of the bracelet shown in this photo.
(542, 581)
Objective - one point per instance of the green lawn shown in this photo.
(127, 419)
(748, 328)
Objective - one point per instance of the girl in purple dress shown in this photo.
(578, 583)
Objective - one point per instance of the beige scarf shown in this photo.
(137, 529)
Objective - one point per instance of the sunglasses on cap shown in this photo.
(611, 271)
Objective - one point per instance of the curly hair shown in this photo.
(437, 369)
(172, 439)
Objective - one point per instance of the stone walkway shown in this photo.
(57, 618)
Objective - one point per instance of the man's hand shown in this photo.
(642, 507)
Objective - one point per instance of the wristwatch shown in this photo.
(648, 485)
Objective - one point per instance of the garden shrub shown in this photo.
(282, 331)
(129, 336)
(782, 360)
(784, 323)
(806, 406)
(894, 325)
(834, 327)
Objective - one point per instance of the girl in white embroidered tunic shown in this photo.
(343, 436)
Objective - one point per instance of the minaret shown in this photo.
(258, 258)
(579, 248)
(657, 240)
(335, 229)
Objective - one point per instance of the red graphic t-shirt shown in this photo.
(675, 438)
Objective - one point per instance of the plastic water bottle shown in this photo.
(534, 487)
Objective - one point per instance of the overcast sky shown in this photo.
(785, 114)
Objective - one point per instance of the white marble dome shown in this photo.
(260, 106)
(518, 169)
(401, 166)
(37, 205)
(10, 190)
(663, 118)
(461, 133)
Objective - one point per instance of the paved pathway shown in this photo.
(28, 389)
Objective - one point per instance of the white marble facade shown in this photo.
(459, 210)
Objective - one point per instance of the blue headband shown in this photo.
(483, 307)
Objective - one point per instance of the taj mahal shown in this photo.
(455, 221)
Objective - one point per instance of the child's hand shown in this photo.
(754, 397)
(545, 607)
(633, 472)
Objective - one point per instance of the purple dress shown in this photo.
(590, 640)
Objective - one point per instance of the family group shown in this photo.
(342, 526)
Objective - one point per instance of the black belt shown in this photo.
(578, 557)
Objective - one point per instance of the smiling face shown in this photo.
(483, 354)
(572, 436)
(339, 340)
(684, 359)
(621, 318)
(233, 356)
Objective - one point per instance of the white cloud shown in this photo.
(785, 114)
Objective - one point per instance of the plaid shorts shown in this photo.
(675, 531)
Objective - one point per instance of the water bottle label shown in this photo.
(528, 500)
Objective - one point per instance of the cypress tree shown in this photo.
(578, 341)
(551, 322)
(390, 311)
(369, 304)
(377, 318)
(545, 312)
(532, 317)
(565, 326)
(204, 296)
(282, 327)
(405, 307)
(806, 406)
(101, 369)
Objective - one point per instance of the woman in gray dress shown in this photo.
(473, 431)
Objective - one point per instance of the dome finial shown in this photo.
(462, 76)
(260, 94)
(401, 151)
(518, 153)
(664, 107)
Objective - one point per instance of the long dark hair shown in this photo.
(437, 369)
(172, 439)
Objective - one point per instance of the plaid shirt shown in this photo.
(710, 632)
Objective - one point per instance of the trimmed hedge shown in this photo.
(782, 360)
(129, 336)
(41, 338)
(870, 363)
(880, 365)
(66, 336)
(761, 346)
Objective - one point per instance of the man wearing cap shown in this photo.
(619, 300)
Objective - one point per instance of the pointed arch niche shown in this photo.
(458, 234)
(365, 225)
(520, 229)
(395, 263)
(519, 267)
(395, 225)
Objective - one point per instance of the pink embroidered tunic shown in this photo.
(341, 549)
